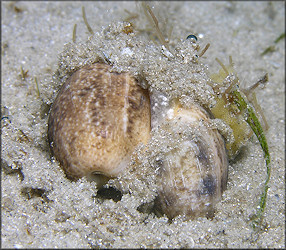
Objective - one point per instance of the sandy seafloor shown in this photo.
(40, 208)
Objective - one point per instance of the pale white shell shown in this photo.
(193, 175)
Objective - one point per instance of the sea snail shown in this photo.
(100, 117)
(97, 120)
(195, 172)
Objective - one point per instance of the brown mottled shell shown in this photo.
(97, 120)
(193, 175)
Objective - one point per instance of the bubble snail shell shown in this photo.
(97, 120)
(117, 102)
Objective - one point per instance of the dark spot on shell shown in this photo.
(209, 185)
(203, 154)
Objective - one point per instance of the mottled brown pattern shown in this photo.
(97, 120)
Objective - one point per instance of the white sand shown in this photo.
(41, 208)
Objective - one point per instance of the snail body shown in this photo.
(97, 120)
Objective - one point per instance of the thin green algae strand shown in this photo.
(255, 125)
